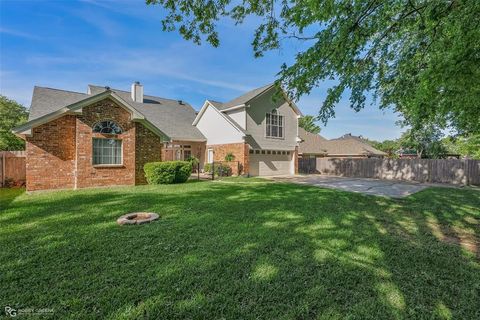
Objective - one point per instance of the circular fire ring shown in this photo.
(137, 218)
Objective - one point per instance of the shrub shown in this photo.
(229, 157)
(207, 167)
(220, 169)
(193, 160)
(183, 170)
(167, 172)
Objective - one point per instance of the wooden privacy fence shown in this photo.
(453, 171)
(12, 167)
(307, 165)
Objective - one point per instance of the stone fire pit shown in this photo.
(137, 218)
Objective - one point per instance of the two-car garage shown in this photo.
(271, 163)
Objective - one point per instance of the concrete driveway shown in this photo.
(387, 188)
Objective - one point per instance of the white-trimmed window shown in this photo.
(107, 151)
(108, 127)
(274, 125)
(210, 155)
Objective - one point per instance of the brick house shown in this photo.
(105, 136)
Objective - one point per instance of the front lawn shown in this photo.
(241, 248)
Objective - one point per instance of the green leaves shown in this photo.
(418, 57)
(465, 146)
(426, 141)
(167, 172)
(12, 114)
(308, 123)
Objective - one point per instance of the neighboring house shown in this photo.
(105, 136)
(259, 128)
(407, 154)
(347, 146)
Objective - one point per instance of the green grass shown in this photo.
(242, 248)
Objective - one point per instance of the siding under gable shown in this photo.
(216, 129)
(239, 116)
(256, 123)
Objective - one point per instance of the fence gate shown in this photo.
(12, 168)
(307, 165)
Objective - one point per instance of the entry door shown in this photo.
(210, 155)
(178, 154)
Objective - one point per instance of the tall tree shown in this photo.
(470, 146)
(388, 146)
(308, 123)
(466, 146)
(11, 115)
(418, 57)
(427, 142)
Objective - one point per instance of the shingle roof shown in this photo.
(244, 98)
(48, 100)
(312, 143)
(216, 104)
(169, 116)
(316, 144)
(351, 146)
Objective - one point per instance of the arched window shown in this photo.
(107, 126)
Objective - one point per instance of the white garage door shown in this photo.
(271, 164)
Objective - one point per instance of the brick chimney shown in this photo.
(137, 92)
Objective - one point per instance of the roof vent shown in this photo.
(137, 92)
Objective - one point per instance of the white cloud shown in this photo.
(106, 25)
(172, 62)
(17, 33)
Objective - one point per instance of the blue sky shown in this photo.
(70, 44)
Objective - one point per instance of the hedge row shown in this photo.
(167, 172)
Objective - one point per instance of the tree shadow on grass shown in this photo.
(239, 250)
(7, 195)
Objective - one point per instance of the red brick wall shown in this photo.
(59, 149)
(50, 155)
(148, 149)
(60, 153)
(89, 175)
(239, 150)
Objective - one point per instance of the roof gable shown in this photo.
(255, 93)
(246, 97)
(172, 117)
(76, 107)
(166, 117)
(228, 119)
